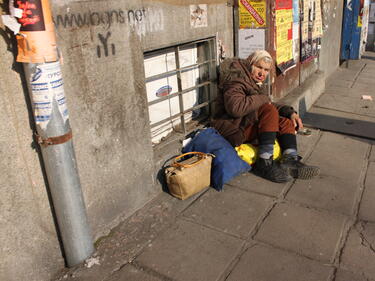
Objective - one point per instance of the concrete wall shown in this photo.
(331, 42)
(108, 114)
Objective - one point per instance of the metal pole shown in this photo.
(48, 100)
(236, 25)
(37, 51)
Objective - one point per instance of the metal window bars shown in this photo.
(205, 89)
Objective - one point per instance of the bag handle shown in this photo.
(176, 164)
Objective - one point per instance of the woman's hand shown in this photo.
(297, 121)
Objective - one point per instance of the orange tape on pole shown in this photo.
(36, 41)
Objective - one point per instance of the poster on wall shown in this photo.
(252, 13)
(296, 28)
(317, 31)
(311, 29)
(198, 15)
(361, 10)
(296, 11)
(284, 34)
(296, 41)
(250, 40)
(305, 46)
(365, 25)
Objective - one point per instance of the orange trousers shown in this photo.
(270, 126)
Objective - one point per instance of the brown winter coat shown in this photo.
(238, 101)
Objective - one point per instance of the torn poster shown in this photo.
(198, 15)
(311, 29)
(36, 42)
(15, 12)
(11, 23)
(47, 86)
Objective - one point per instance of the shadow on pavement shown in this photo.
(368, 57)
(342, 125)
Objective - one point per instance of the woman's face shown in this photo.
(260, 70)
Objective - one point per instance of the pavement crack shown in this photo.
(333, 275)
(151, 272)
(235, 261)
(115, 271)
(357, 75)
(361, 184)
(347, 227)
(255, 192)
(193, 201)
(257, 226)
(364, 241)
(191, 220)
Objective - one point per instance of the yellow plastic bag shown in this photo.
(249, 153)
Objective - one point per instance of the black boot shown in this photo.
(298, 170)
(270, 170)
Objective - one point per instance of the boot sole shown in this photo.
(259, 174)
(304, 173)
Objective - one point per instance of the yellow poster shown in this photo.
(284, 35)
(284, 52)
(284, 16)
(252, 13)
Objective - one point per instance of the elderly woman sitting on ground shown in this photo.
(245, 113)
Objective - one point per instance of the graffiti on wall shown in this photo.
(152, 20)
(90, 19)
(104, 41)
(142, 21)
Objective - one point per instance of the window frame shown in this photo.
(186, 128)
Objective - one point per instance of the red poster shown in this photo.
(32, 15)
(284, 4)
(36, 40)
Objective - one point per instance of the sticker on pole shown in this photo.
(47, 86)
(32, 15)
(36, 39)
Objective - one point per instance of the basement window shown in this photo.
(181, 86)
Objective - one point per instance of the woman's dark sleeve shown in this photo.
(285, 110)
(238, 104)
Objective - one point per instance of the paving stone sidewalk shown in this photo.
(255, 230)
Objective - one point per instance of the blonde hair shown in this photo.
(260, 55)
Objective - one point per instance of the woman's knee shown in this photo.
(286, 126)
(268, 110)
(268, 118)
